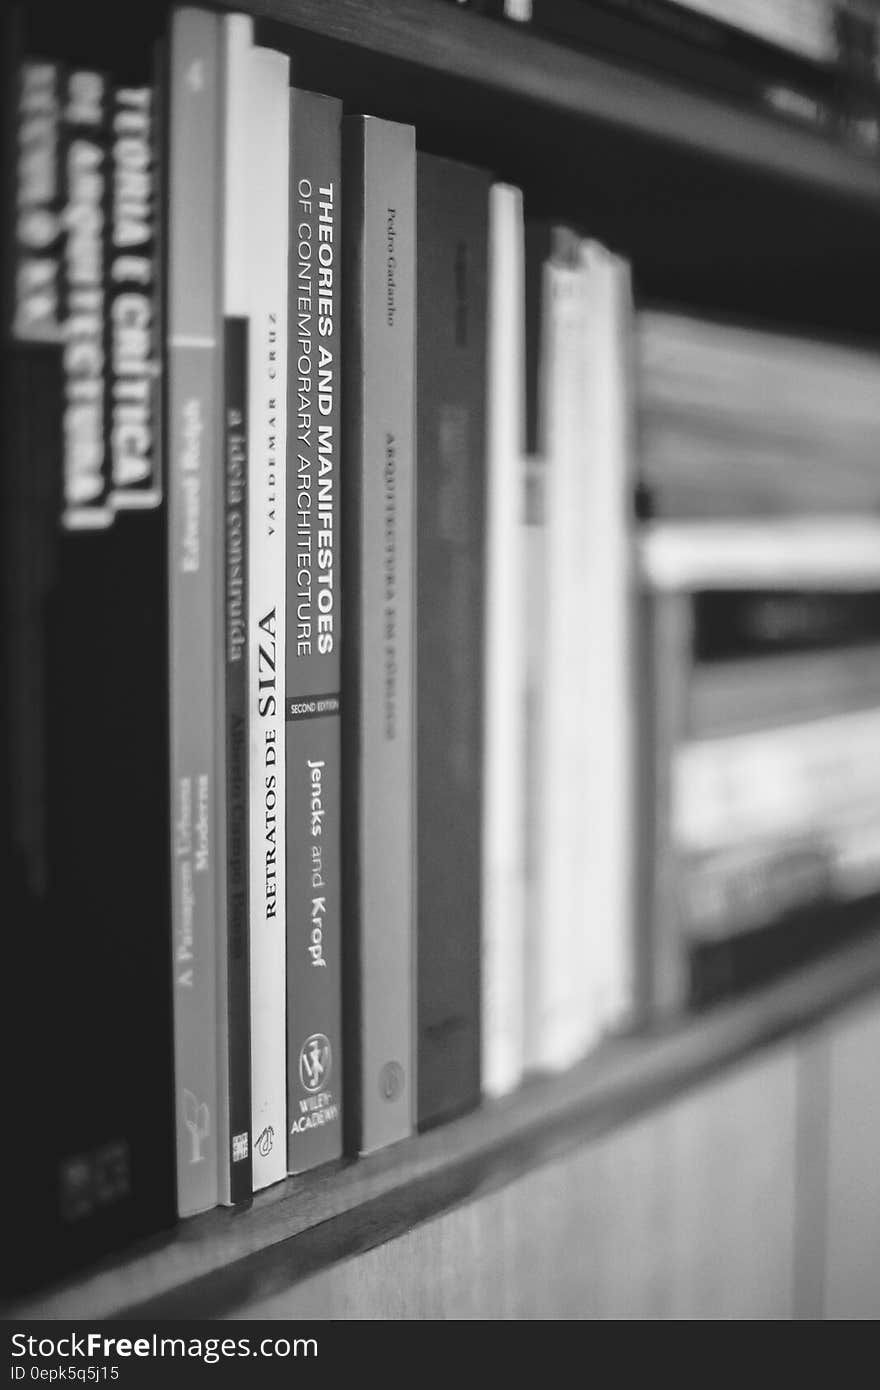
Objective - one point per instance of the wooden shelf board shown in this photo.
(216, 1264)
(499, 57)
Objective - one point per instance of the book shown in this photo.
(760, 710)
(823, 552)
(733, 891)
(664, 646)
(607, 617)
(452, 241)
(266, 241)
(534, 543)
(378, 654)
(763, 624)
(194, 411)
(232, 782)
(582, 967)
(765, 781)
(503, 986)
(561, 949)
(84, 648)
(763, 692)
(312, 674)
(739, 422)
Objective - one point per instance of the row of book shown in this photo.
(760, 492)
(812, 62)
(442, 662)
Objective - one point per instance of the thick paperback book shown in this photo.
(453, 227)
(312, 670)
(502, 831)
(378, 644)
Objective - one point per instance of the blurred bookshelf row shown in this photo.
(438, 652)
(810, 62)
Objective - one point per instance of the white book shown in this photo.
(503, 881)
(535, 606)
(827, 552)
(266, 205)
(607, 621)
(772, 782)
(561, 1021)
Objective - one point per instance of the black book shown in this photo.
(238, 1010)
(730, 625)
(453, 213)
(85, 847)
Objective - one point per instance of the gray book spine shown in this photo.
(378, 645)
(194, 384)
(666, 665)
(313, 744)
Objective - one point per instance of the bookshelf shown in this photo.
(716, 205)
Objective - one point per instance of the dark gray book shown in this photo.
(665, 666)
(235, 724)
(453, 227)
(312, 675)
(378, 641)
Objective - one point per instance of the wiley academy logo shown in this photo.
(315, 1062)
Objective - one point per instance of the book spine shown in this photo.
(786, 779)
(665, 666)
(606, 616)
(760, 693)
(729, 625)
(378, 649)
(267, 237)
(736, 891)
(133, 424)
(312, 674)
(535, 607)
(232, 783)
(194, 414)
(502, 847)
(238, 1184)
(561, 1019)
(453, 214)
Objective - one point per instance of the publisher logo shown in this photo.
(391, 1079)
(197, 1118)
(315, 1062)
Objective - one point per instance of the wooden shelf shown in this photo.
(215, 1264)
(504, 58)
